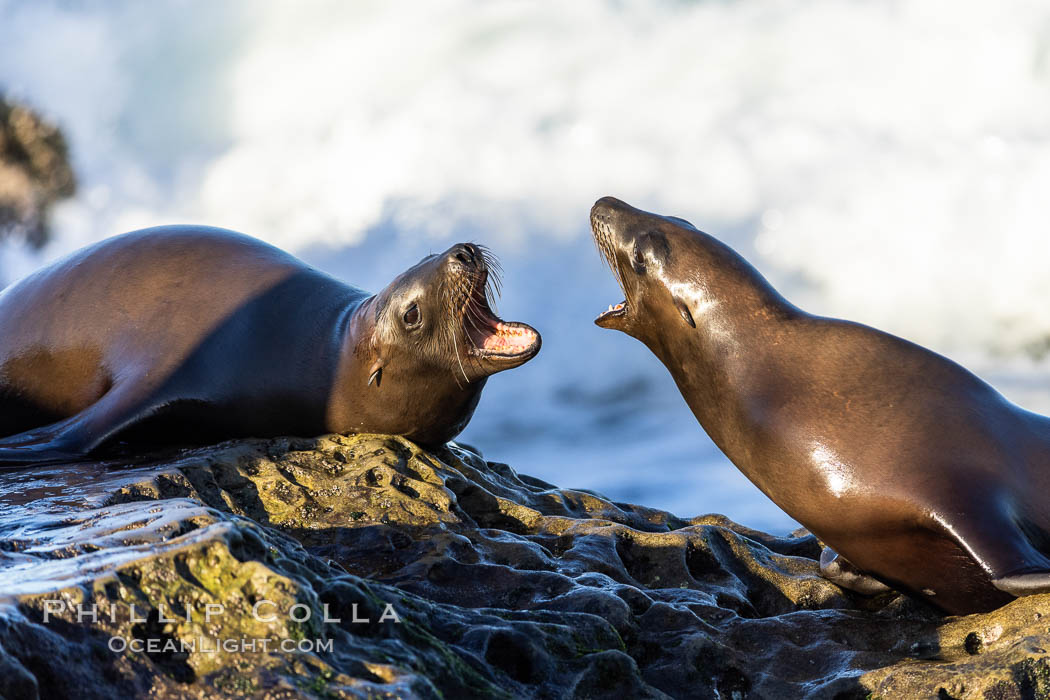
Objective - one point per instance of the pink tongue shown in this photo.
(508, 338)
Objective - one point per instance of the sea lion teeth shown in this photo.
(913, 471)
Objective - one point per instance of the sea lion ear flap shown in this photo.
(684, 311)
(375, 373)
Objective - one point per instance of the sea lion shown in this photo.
(186, 333)
(915, 471)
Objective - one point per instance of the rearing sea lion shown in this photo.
(182, 333)
(902, 462)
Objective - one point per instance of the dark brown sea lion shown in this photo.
(192, 333)
(914, 470)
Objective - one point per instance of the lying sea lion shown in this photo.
(181, 333)
(911, 469)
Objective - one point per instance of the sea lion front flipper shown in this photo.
(999, 545)
(842, 573)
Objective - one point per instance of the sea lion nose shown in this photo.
(466, 254)
(607, 206)
(609, 215)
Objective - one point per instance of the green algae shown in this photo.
(502, 586)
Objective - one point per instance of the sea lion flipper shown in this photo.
(1024, 584)
(74, 437)
(1001, 547)
(44, 445)
(842, 573)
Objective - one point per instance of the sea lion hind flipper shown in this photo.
(841, 572)
(45, 445)
(1002, 548)
(72, 438)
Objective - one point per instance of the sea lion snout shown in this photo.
(617, 227)
(609, 206)
(479, 342)
(607, 219)
(654, 260)
(466, 254)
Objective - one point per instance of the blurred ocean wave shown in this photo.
(884, 161)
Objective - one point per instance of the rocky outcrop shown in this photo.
(376, 569)
(34, 172)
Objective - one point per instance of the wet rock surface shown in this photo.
(450, 577)
(35, 172)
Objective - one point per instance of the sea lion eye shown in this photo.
(412, 315)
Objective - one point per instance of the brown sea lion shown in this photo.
(183, 333)
(912, 469)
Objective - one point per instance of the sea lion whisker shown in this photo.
(494, 269)
(459, 359)
(608, 255)
(490, 260)
(473, 324)
(474, 318)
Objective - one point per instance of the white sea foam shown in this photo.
(885, 161)
(895, 155)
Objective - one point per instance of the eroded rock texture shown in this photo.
(504, 586)
(34, 172)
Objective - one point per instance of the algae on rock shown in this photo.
(501, 585)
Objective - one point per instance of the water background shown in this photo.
(887, 162)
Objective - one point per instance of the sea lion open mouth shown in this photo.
(490, 336)
(618, 311)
